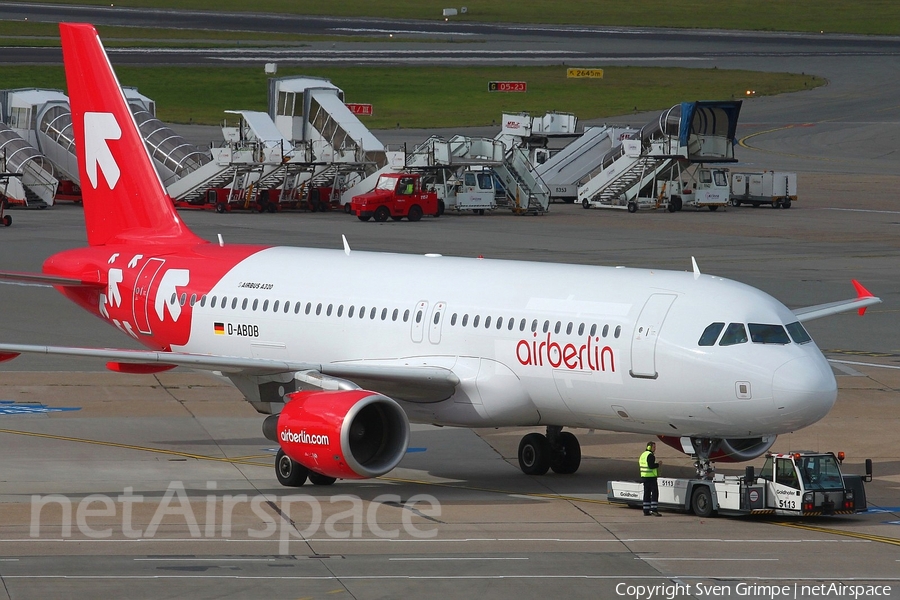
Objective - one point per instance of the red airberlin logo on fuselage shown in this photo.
(589, 356)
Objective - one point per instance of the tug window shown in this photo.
(711, 334)
(798, 333)
(768, 334)
(734, 334)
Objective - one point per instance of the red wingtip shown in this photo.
(861, 292)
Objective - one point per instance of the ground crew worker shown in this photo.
(649, 473)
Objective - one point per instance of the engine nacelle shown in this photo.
(725, 450)
(348, 434)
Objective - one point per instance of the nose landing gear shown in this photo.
(558, 450)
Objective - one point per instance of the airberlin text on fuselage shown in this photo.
(586, 357)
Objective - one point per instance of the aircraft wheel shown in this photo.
(534, 454)
(415, 213)
(318, 479)
(701, 502)
(289, 472)
(382, 213)
(566, 457)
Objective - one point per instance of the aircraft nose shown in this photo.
(804, 390)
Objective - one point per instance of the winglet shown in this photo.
(696, 268)
(346, 244)
(861, 292)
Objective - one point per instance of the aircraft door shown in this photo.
(141, 299)
(646, 334)
(418, 321)
(437, 319)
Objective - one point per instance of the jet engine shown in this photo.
(723, 450)
(348, 434)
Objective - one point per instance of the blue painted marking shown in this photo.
(884, 509)
(10, 407)
(409, 450)
(271, 450)
(892, 522)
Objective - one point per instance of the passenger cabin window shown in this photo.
(768, 334)
(798, 333)
(734, 334)
(711, 334)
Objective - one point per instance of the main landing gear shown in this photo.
(558, 450)
(290, 473)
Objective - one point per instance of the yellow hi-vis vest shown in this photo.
(646, 471)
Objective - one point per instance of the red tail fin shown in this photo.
(124, 199)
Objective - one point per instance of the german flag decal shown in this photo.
(219, 328)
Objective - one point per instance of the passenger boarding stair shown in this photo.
(36, 188)
(691, 132)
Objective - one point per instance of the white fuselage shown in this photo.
(532, 343)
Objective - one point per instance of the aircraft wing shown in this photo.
(863, 299)
(408, 382)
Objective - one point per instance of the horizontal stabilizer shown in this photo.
(46, 280)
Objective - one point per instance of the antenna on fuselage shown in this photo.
(221, 240)
(696, 268)
(346, 244)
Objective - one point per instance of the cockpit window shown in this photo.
(734, 334)
(768, 334)
(711, 334)
(798, 333)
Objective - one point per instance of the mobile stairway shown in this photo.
(692, 132)
(36, 185)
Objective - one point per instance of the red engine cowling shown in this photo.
(728, 450)
(348, 434)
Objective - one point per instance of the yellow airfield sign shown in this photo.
(585, 73)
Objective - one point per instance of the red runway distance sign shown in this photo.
(507, 86)
(360, 109)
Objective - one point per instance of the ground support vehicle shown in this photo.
(396, 195)
(796, 484)
(68, 191)
(704, 187)
(474, 190)
(5, 219)
(775, 188)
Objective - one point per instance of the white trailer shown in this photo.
(796, 483)
(776, 188)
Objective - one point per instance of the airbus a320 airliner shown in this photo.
(344, 352)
